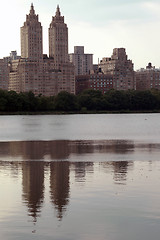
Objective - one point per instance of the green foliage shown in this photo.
(65, 101)
(89, 100)
(143, 100)
(45, 103)
(156, 94)
(3, 103)
(117, 100)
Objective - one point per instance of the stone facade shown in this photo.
(58, 40)
(120, 68)
(31, 37)
(58, 50)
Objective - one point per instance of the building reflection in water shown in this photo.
(62, 149)
(81, 168)
(37, 150)
(59, 186)
(33, 157)
(33, 187)
(121, 170)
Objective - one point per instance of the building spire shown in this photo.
(58, 13)
(32, 12)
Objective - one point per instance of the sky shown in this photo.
(98, 25)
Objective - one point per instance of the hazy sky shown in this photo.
(98, 25)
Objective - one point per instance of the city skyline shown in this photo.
(99, 26)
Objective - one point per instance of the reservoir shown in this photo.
(80, 177)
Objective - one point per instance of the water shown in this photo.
(134, 127)
(82, 177)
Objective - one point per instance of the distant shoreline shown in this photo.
(77, 112)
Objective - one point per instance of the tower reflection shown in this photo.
(59, 186)
(33, 187)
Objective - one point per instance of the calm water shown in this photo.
(80, 177)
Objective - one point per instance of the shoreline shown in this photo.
(77, 112)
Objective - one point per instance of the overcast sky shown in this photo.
(98, 25)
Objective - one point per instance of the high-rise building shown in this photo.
(148, 78)
(83, 62)
(36, 72)
(120, 68)
(58, 39)
(26, 74)
(31, 37)
(58, 51)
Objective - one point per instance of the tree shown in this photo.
(144, 100)
(117, 100)
(65, 101)
(45, 103)
(92, 100)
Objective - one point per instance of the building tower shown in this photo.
(31, 37)
(58, 40)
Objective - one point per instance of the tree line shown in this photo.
(88, 100)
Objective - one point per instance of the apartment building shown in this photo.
(96, 81)
(83, 62)
(121, 69)
(148, 78)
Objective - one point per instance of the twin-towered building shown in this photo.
(37, 72)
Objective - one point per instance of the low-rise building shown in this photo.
(96, 81)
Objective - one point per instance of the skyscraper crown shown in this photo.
(32, 16)
(58, 18)
(58, 13)
(32, 12)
